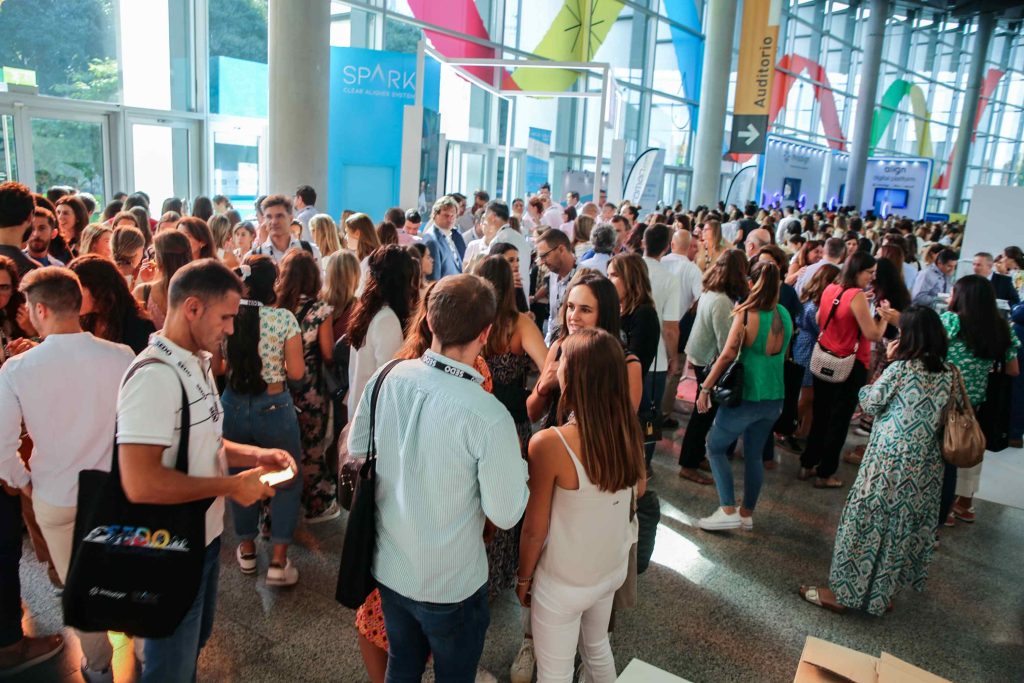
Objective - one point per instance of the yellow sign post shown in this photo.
(759, 41)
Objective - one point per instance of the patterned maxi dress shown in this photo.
(887, 529)
(319, 487)
(508, 371)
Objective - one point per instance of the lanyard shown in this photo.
(433, 362)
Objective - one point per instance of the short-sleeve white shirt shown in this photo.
(149, 413)
(665, 291)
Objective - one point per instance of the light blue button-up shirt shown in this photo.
(447, 457)
(928, 284)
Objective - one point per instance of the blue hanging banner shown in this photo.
(538, 154)
(368, 94)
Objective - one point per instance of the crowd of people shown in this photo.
(541, 348)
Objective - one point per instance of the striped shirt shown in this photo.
(447, 457)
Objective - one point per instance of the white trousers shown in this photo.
(565, 618)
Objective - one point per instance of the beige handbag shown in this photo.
(963, 442)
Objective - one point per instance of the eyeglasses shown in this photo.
(542, 256)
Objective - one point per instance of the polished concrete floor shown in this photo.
(713, 608)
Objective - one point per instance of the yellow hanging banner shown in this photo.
(759, 41)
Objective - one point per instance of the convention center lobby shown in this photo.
(653, 341)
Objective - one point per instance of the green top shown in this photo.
(974, 370)
(763, 374)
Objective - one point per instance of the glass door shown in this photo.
(162, 159)
(237, 157)
(69, 151)
(471, 167)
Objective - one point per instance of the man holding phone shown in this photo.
(203, 299)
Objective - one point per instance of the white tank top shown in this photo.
(590, 533)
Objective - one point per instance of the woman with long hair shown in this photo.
(199, 236)
(421, 254)
(809, 254)
(171, 251)
(360, 236)
(980, 342)
(387, 233)
(641, 329)
(127, 246)
(807, 335)
(582, 228)
(298, 291)
(109, 310)
(591, 300)
(262, 354)
(379, 319)
(577, 530)
(513, 343)
(724, 285)
(202, 208)
(759, 336)
(847, 328)
(72, 219)
(510, 253)
(167, 221)
(96, 240)
(886, 533)
(325, 234)
(11, 305)
(711, 245)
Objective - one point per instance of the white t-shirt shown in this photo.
(689, 278)
(553, 216)
(149, 413)
(666, 302)
(66, 441)
(383, 339)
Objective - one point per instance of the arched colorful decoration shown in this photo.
(891, 100)
(988, 87)
(689, 48)
(822, 92)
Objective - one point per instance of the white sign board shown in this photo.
(898, 186)
(995, 220)
(793, 174)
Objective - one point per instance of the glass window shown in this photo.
(238, 57)
(69, 153)
(71, 45)
(160, 160)
(236, 165)
(155, 53)
(8, 157)
(671, 129)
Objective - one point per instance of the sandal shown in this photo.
(855, 456)
(695, 476)
(812, 595)
(805, 473)
(830, 483)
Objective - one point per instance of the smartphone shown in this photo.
(279, 477)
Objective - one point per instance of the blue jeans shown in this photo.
(654, 389)
(267, 421)
(11, 529)
(173, 659)
(753, 420)
(453, 633)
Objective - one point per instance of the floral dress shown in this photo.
(319, 488)
(975, 370)
(887, 530)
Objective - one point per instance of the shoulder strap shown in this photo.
(371, 449)
(181, 460)
(305, 246)
(835, 305)
(305, 309)
(146, 291)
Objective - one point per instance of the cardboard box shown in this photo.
(825, 662)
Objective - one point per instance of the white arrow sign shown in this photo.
(749, 135)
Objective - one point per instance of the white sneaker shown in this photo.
(720, 521)
(484, 676)
(93, 676)
(524, 663)
(287, 575)
(247, 563)
(747, 523)
(327, 515)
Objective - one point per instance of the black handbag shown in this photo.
(648, 512)
(728, 390)
(793, 378)
(336, 374)
(355, 577)
(650, 419)
(994, 413)
(135, 568)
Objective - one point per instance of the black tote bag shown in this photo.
(135, 568)
(994, 413)
(355, 577)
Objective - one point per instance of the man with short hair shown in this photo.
(835, 250)
(467, 223)
(589, 209)
(934, 279)
(413, 221)
(396, 216)
(203, 300)
(747, 224)
(552, 217)
(757, 238)
(1002, 284)
(438, 482)
(66, 442)
(443, 240)
(497, 213)
(555, 252)
(572, 199)
(607, 212)
(17, 207)
(277, 214)
(44, 229)
(690, 282)
(304, 203)
(665, 291)
(783, 229)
